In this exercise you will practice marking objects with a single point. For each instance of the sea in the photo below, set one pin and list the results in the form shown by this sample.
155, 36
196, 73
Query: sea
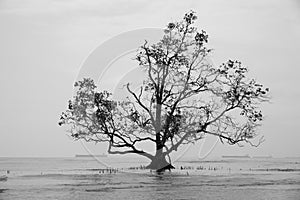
126, 178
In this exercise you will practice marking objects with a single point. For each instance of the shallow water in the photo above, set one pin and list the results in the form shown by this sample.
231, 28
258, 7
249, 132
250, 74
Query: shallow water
73, 178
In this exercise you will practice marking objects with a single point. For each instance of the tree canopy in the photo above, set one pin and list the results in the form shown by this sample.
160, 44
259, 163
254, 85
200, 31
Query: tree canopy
183, 98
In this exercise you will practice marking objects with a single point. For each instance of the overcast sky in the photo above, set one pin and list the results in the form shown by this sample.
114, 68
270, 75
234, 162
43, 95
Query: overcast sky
44, 43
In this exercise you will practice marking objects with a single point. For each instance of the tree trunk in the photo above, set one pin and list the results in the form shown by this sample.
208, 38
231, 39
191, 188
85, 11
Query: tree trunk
159, 162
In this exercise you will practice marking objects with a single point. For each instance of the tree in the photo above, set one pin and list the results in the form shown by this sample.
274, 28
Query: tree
183, 98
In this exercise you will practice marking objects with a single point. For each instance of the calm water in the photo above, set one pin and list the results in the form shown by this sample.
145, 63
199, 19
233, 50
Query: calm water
79, 178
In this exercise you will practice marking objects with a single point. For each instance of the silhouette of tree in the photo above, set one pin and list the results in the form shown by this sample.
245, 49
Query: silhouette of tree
183, 98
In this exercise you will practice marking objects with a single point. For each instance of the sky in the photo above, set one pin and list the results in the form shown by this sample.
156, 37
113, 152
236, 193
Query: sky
45, 42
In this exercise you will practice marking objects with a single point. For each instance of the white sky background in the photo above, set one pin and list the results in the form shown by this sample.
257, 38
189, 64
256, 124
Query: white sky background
43, 44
